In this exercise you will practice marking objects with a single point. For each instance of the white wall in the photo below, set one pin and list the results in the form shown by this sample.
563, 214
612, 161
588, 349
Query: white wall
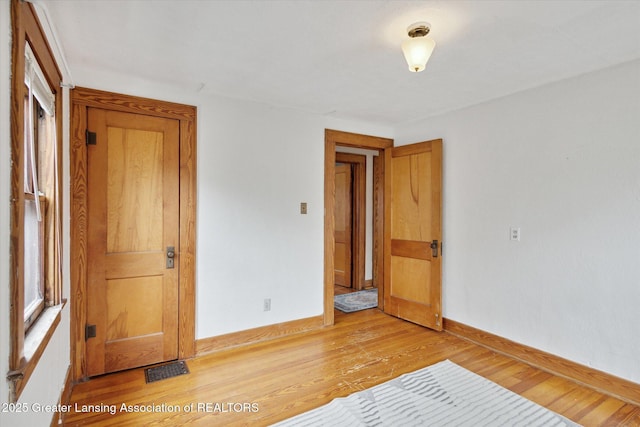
47, 380
256, 165
563, 163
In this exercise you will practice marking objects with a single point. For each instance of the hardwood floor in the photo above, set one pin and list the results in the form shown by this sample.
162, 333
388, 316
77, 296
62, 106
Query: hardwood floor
266, 382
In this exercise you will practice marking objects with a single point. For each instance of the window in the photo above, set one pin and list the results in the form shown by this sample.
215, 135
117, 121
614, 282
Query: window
40, 192
36, 252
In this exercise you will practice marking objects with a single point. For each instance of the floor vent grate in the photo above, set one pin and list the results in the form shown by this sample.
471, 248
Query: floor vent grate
163, 372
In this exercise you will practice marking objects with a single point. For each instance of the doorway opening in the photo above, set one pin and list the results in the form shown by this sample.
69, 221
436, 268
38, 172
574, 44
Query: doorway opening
407, 229
338, 147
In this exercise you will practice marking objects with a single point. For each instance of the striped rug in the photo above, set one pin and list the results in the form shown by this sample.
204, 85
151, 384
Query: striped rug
443, 394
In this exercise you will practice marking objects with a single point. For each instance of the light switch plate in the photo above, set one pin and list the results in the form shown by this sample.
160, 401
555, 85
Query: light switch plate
303, 208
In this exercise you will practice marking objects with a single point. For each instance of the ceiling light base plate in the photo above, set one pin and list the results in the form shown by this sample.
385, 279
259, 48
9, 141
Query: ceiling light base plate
419, 29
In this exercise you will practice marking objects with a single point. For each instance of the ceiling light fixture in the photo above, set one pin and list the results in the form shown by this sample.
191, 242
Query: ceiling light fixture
419, 47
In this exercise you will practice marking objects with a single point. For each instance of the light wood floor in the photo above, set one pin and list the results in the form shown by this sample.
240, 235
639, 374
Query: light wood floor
287, 376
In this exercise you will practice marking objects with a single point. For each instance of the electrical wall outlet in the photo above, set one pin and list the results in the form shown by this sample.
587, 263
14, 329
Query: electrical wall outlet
267, 304
514, 233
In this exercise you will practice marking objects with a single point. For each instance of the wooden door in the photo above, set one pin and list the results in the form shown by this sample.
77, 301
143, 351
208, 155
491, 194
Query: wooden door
133, 216
412, 266
343, 230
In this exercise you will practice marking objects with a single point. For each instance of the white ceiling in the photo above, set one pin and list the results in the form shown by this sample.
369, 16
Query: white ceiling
343, 58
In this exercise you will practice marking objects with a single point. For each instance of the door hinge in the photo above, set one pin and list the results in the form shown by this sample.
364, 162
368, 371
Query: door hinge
90, 138
89, 332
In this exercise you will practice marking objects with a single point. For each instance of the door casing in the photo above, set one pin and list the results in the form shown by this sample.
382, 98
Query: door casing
81, 100
335, 138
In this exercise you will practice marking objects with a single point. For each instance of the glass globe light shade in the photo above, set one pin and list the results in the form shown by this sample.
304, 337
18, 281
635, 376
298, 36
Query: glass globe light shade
417, 51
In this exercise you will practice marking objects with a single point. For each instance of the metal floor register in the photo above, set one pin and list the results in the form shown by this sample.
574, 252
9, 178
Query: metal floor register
163, 372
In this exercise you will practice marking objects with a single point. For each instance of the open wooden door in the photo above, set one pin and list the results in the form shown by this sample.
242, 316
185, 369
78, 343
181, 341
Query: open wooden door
133, 240
412, 236
343, 230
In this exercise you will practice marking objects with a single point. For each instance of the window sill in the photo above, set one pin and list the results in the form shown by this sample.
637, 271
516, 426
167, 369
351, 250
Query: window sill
35, 342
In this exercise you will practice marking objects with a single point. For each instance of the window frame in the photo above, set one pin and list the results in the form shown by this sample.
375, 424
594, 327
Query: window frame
28, 346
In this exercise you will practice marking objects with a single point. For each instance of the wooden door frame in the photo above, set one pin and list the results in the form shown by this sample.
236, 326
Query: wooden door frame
358, 211
81, 100
333, 138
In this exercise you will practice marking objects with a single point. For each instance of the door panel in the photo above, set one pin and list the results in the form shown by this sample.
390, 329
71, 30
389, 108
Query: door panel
134, 190
343, 230
411, 207
412, 285
133, 205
